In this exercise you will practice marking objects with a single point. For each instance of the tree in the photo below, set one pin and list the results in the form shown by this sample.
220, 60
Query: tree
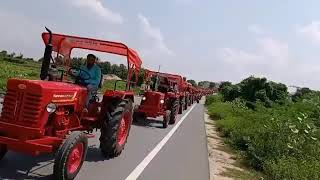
224, 84
192, 82
3, 53
204, 84
105, 67
212, 85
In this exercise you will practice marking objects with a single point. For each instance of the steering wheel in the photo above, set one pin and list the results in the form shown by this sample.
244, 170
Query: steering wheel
77, 73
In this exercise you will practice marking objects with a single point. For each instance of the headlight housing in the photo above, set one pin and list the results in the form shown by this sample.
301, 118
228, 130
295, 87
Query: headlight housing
51, 108
144, 98
161, 101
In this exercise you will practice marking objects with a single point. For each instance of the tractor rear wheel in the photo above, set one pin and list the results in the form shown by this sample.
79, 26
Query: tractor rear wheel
70, 156
116, 127
174, 111
3, 150
166, 119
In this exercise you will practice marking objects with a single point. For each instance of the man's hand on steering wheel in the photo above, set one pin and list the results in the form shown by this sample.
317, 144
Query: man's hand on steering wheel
80, 75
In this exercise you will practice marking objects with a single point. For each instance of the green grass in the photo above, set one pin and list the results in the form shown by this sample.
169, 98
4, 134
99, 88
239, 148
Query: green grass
282, 141
19, 69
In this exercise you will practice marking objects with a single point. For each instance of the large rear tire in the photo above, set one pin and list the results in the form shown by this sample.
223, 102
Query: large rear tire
3, 150
174, 111
116, 127
70, 156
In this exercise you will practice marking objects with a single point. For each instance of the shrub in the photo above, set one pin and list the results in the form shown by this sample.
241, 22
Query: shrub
282, 141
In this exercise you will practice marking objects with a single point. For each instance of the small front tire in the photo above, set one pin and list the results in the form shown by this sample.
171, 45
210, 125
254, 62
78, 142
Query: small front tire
70, 156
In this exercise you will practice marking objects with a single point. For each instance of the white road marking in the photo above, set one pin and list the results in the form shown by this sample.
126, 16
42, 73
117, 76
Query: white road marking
144, 163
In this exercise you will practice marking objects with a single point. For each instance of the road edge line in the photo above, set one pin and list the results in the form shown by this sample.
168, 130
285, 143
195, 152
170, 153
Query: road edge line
144, 163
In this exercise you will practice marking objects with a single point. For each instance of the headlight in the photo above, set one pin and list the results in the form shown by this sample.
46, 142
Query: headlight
51, 108
161, 101
144, 98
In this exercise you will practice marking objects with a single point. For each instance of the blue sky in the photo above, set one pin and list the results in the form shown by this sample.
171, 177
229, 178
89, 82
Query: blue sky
203, 39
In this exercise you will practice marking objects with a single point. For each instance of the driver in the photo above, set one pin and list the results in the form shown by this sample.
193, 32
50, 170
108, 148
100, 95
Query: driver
94, 71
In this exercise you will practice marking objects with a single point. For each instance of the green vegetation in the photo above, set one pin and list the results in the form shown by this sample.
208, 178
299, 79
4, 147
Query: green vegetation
276, 133
14, 67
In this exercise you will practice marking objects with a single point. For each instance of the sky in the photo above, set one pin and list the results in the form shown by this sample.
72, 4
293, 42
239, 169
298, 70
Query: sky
211, 40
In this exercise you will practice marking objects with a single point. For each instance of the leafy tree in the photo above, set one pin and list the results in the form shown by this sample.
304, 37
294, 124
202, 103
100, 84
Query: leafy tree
193, 82
212, 85
224, 84
3, 53
300, 93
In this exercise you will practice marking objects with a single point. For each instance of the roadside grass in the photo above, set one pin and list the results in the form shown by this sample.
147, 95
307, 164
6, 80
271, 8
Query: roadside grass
282, 142
17, 69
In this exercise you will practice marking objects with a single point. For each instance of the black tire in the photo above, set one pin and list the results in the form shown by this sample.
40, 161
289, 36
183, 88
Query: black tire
3, 150
109, 145
136, 115
173, 111
185, 107
166, 119
181, 105
60, 168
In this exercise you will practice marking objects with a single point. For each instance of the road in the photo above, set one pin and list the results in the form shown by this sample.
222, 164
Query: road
151, 153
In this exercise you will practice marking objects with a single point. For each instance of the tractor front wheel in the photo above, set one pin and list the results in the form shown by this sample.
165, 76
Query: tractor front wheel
166, 119
116, 127
174, 111
3, 150
70, 156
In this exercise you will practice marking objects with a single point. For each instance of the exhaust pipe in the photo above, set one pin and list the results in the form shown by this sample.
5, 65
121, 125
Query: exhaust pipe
46, 57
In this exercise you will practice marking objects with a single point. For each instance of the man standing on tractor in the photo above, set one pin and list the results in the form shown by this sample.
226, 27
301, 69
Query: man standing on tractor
92, 69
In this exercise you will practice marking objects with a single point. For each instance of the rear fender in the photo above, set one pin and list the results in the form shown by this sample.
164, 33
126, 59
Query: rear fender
113, 96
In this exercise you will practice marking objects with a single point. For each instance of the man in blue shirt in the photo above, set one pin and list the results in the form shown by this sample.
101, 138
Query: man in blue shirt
92, 69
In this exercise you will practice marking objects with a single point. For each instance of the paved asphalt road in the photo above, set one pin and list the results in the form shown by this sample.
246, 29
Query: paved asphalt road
152, 153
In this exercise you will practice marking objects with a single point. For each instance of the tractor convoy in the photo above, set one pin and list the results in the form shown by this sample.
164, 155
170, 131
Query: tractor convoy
50, 115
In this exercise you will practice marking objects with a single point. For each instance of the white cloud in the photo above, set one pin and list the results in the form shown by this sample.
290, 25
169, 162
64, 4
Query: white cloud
256, 29
270, 58
311, 31
269, 51
97, 7
154, 34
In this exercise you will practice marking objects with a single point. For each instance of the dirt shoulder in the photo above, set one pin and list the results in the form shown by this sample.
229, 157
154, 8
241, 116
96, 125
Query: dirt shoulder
223, 162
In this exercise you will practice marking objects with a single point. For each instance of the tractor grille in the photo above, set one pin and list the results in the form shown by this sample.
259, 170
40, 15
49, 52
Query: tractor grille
21, 107
152, 100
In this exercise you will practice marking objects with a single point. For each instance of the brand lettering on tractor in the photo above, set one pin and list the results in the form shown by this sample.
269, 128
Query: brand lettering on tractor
22, 86
63, 95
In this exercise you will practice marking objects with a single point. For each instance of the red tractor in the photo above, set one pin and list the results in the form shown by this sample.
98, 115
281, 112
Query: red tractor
46, 116
161, 97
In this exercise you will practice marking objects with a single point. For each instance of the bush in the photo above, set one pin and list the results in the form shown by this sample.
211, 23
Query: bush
282, 141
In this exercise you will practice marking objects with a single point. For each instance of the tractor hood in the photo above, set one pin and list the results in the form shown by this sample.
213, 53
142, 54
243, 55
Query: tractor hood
48, 90
26, 100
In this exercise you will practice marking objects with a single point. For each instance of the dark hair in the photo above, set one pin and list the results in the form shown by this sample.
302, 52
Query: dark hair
91, 55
